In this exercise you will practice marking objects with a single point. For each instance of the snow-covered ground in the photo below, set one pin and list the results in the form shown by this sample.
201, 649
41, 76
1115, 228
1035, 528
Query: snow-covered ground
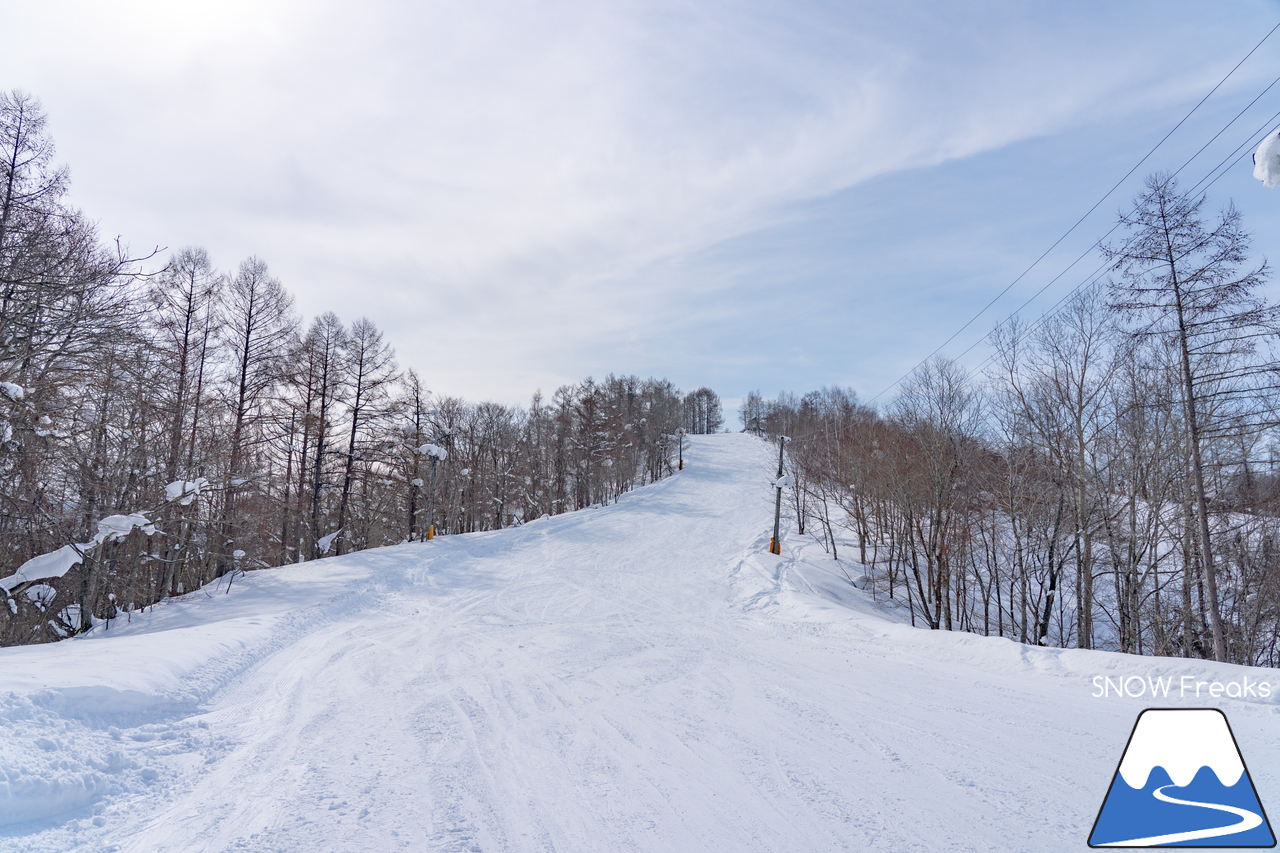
642, 676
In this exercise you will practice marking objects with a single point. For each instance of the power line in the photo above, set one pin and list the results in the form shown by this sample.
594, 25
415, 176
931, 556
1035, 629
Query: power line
1097, 204
1238, 154
1230, 160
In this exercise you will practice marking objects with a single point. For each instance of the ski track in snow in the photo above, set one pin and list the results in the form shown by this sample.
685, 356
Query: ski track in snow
639, 677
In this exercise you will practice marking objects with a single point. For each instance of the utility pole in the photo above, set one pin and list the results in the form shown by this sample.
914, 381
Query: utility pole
681, 433
431, 495
775, 546
437, 453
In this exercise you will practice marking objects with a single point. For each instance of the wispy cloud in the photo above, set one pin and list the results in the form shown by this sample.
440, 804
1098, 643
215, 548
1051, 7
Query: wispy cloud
486, 179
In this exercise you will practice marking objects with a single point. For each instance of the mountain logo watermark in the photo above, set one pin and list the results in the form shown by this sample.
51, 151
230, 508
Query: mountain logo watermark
1181, 782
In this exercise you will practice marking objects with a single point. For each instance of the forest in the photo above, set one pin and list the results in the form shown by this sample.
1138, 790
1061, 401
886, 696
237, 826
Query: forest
165, 423
1107, 479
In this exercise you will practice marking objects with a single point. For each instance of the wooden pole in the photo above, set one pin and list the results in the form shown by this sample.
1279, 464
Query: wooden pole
775, 546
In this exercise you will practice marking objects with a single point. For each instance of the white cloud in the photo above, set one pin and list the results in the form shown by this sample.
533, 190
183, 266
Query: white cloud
513, 164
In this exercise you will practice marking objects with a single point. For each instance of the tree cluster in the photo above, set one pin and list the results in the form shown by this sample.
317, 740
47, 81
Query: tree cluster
162, 430
1108, 481
702, 412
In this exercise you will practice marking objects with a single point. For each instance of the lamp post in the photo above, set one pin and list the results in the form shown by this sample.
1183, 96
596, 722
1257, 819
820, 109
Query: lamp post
431, 492
437, 453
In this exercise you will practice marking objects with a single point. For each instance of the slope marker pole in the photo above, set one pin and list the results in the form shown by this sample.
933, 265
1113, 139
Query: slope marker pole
775, 545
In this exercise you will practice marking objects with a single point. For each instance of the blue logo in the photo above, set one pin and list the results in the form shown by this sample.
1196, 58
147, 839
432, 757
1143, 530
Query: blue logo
1181, 783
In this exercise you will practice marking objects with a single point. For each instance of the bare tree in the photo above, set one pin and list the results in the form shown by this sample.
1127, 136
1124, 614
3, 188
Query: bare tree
372, 369
1182, 276
1054, 380
320, 377
259, 322
941, 410
703, 413
184, 299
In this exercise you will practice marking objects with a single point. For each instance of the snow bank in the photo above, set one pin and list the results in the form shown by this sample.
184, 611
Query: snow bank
55, 763
95, 726
42, 778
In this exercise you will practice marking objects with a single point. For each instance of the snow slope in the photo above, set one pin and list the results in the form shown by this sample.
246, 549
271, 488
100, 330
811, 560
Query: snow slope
636, 677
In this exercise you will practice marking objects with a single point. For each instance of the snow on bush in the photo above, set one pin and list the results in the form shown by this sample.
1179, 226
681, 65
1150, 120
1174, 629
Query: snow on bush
185, 491
57, 563
115, 527
326, 542
41, 595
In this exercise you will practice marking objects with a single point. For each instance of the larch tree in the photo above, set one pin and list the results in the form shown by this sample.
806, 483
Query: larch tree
259, 322
184, 300
1180, 275
183, 316
321, 374
372, 371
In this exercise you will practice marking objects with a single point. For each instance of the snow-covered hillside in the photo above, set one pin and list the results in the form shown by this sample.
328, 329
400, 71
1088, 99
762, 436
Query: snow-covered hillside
642, 676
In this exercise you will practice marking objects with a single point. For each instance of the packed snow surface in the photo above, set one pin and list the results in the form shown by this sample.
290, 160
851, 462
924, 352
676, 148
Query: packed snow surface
637, 677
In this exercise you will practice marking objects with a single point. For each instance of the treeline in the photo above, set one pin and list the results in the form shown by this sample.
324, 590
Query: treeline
1108, 480
160, 430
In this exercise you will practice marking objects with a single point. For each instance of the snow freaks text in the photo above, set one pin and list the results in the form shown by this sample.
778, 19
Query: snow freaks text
1184, 687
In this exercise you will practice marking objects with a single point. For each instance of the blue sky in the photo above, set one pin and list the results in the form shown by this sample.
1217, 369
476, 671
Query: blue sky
748, 195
